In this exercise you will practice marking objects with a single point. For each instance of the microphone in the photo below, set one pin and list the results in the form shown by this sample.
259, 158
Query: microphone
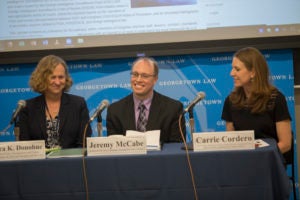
199, 97
104, 104
21, 104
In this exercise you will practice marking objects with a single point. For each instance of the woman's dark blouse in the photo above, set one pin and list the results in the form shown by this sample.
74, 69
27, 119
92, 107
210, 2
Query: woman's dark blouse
264, 125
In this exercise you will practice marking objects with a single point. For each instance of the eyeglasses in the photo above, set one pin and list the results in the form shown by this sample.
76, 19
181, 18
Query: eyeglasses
143, 76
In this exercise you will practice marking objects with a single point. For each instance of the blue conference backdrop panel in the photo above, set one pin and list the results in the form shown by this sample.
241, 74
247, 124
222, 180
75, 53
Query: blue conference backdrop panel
181, 77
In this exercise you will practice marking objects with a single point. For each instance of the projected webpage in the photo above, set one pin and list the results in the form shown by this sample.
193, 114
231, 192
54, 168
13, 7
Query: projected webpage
35, 24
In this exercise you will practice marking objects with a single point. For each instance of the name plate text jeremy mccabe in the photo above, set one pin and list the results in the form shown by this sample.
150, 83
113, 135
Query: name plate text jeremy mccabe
116, 145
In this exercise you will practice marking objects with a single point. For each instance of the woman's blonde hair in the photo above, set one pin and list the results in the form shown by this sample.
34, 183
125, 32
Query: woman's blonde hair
39, 77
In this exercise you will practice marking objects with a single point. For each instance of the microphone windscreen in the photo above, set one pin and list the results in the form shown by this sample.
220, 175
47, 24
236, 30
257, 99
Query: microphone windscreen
105, 102
22, 103
201, 95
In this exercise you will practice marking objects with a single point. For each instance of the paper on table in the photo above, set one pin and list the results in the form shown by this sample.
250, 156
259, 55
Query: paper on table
152, 138
63, 153
260, 143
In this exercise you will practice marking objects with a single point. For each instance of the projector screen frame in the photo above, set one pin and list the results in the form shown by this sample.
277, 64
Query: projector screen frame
162, 49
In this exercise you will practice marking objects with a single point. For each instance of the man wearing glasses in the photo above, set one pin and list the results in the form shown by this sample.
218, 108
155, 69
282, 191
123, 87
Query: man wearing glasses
145, 109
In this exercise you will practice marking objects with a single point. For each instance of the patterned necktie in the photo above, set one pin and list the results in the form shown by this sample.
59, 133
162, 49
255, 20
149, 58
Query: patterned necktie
142, 120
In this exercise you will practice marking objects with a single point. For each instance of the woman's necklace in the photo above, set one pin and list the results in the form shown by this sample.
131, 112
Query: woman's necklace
52, 128
53, 110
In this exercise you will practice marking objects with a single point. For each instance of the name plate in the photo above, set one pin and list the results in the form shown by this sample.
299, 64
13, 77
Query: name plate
220, 141
22, 150
116, 145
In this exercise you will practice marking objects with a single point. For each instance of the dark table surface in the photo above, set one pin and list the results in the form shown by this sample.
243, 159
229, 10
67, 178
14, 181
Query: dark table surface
240, 174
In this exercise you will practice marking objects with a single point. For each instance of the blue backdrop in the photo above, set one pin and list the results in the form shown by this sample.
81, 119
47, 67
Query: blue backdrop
180, 77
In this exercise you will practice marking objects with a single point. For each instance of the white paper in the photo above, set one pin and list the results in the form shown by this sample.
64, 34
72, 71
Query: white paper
260, 143
152, 138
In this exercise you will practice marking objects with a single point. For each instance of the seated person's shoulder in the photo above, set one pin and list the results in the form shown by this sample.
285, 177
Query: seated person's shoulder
73, 96
277, 95
74, 100
119, 103
34, 101
168, 100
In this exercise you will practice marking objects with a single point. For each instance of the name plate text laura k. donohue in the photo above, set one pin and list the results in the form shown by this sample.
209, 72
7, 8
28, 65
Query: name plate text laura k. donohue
116, 145
22, 150
220, 141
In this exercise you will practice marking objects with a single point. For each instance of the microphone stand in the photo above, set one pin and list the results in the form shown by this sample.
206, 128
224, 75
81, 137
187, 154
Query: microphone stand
2, 132
8, 126
192, 123
189, 146
16, 131
99, 125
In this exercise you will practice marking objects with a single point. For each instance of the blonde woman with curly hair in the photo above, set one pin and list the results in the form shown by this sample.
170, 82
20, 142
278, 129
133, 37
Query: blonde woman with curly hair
55, 116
